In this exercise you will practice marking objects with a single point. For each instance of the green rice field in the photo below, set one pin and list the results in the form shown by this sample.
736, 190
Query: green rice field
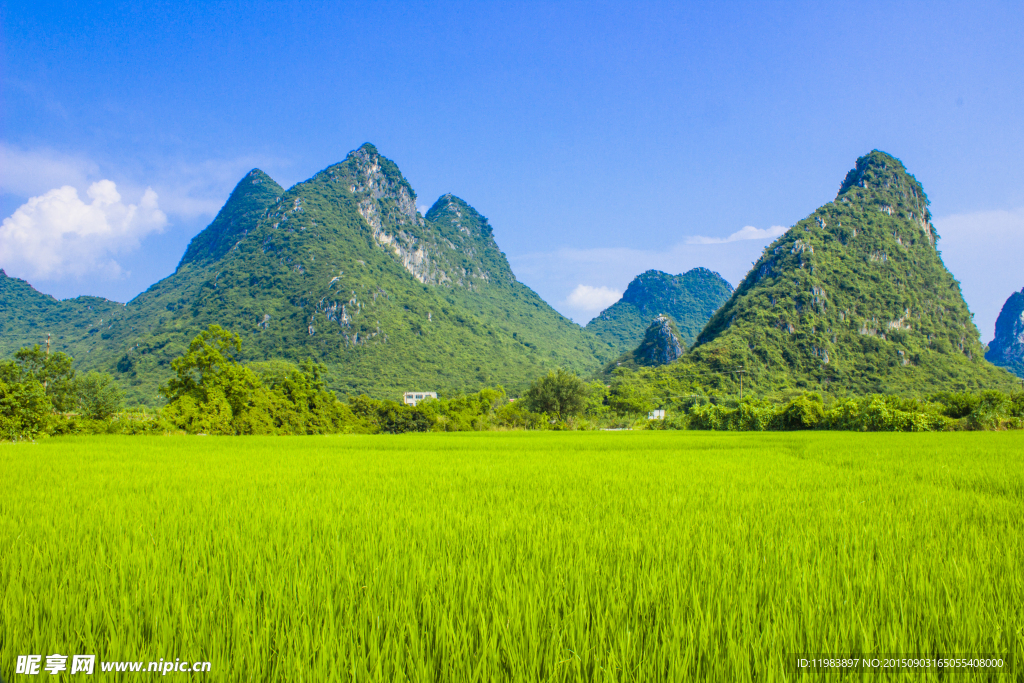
614, 556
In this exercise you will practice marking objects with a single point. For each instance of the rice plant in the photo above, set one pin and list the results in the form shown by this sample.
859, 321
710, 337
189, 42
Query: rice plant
629, 556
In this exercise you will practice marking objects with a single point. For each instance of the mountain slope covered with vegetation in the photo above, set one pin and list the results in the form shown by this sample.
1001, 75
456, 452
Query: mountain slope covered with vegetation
342, 269
854, 299
688, 299
27, 316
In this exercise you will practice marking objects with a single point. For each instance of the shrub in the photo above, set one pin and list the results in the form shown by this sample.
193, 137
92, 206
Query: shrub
803, 412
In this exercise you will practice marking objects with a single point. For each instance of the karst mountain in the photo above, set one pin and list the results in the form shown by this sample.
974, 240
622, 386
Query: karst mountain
852, 299
341, 269
688, 300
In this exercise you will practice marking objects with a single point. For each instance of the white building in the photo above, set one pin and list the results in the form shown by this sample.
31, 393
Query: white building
411, 398
656, 415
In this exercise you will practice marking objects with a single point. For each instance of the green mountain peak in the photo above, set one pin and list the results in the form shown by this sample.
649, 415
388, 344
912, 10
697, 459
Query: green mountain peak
367, 172
688, 299
252, 196
881, 180
852, 299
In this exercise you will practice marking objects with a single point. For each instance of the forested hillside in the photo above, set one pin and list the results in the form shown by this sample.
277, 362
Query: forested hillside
341, 269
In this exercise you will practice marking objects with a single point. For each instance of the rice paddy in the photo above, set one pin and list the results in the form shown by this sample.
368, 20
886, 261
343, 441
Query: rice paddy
628, 556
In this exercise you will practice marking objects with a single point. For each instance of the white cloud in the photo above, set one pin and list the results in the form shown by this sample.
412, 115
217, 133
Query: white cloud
592, 299
57, 234
423, 208
747, 232
187, 189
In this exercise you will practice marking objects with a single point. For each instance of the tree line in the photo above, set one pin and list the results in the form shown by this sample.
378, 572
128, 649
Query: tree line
213, 392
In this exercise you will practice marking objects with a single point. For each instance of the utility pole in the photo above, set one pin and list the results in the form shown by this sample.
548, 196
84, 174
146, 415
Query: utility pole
46, 382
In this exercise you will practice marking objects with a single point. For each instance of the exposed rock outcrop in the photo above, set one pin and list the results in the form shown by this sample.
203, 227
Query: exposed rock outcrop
661, 343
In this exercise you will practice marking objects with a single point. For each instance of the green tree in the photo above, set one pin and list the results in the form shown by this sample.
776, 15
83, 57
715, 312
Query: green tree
211, 392
803, 412
24, 407
630, 394
559, 393
54, 372
98, 396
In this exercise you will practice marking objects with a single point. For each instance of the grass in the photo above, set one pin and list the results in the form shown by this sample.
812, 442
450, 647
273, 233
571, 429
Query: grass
630, 556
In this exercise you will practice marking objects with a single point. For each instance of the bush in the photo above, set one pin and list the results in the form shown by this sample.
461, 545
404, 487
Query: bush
25, 410
98, 397
710, 416
803, 412
990, 411
560, 394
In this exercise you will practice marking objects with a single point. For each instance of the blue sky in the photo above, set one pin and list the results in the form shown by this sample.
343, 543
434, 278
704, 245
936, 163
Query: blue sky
600, 139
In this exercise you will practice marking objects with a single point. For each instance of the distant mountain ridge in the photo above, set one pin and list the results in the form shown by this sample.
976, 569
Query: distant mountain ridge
343, 269
689, 299
27, 316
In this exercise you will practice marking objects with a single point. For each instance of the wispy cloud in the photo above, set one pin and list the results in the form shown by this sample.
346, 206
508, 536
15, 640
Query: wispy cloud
57, 235
592, 299
199, 189
26, 173
983, 249
747, 232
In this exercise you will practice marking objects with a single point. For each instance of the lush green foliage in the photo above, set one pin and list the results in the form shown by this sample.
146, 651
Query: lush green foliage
990, 410
516, 557
78, 326
559, 393
24, 407
213, 393
99, 398
688, 299
40, 395
53, 371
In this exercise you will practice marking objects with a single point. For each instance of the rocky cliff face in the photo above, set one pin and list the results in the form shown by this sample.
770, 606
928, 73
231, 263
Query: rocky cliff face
1007, 349
661, 344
